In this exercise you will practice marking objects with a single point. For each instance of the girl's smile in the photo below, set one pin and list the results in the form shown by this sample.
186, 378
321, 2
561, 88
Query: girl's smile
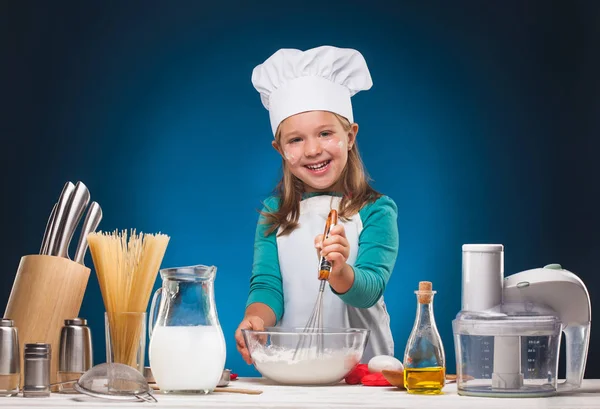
314, 146
319, 168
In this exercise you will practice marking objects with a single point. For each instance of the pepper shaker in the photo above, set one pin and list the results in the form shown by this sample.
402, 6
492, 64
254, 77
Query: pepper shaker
10, 362
75, 356
37, 370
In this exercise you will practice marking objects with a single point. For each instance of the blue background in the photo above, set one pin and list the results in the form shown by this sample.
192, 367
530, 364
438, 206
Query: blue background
482, 125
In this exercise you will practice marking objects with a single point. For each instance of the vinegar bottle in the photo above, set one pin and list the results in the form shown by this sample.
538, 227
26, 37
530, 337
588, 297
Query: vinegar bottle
424, 360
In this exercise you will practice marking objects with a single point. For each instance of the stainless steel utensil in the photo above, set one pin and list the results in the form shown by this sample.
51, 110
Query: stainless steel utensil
77, 204
37, 370
57, 226
10, 365
315, 322
90, 224
75, 346
116, 382
49, 225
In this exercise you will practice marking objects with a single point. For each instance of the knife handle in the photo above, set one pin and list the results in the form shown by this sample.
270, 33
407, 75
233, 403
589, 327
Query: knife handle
61, 209
49, 225
90, 224
77, 204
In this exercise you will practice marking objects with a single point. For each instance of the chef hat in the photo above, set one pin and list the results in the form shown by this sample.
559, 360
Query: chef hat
324, 78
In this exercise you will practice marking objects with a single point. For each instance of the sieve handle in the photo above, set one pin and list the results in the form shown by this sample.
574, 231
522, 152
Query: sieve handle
152, 318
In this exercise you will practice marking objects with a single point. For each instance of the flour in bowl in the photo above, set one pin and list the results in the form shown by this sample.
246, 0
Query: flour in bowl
330, 367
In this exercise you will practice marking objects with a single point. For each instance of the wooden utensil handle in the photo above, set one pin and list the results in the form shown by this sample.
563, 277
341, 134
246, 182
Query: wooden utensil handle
223, 389
238, 390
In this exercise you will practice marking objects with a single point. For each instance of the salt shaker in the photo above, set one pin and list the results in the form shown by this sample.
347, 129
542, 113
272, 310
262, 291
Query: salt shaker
10, 359
37, 370
75, 356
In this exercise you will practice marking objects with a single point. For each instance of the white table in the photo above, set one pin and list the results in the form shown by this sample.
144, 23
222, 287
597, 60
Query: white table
339, 396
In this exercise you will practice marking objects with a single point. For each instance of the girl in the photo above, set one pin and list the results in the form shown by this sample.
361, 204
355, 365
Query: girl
308, 96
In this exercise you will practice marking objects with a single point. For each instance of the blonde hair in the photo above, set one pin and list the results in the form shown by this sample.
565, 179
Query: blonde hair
356, 190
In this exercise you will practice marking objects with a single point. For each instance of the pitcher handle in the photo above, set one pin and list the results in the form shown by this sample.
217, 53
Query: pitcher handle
152, 317
577, 338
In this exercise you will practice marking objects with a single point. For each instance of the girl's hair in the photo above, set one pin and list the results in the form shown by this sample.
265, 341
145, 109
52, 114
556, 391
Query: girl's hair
289, 190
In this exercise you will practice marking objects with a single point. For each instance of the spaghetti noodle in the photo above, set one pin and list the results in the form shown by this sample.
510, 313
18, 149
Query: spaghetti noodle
126, 267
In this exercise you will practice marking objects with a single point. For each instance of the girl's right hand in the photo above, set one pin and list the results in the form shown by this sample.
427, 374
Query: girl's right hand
252, 322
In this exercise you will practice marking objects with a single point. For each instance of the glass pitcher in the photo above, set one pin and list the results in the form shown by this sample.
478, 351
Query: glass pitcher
187, 347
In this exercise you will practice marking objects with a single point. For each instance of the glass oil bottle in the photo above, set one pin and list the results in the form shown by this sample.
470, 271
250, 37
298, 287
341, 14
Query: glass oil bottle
424, 359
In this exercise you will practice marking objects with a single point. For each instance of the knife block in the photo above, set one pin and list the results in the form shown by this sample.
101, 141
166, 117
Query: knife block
47, 290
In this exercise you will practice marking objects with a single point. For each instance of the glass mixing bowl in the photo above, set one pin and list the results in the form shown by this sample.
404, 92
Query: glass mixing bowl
293, 356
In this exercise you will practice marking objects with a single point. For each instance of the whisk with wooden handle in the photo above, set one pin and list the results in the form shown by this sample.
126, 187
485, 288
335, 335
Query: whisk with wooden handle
312, 336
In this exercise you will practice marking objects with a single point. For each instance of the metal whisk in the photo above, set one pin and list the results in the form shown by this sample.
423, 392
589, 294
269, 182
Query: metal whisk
312, 335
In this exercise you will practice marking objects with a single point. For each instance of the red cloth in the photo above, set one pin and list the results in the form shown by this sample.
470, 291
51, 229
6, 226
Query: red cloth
375, 379
355, 376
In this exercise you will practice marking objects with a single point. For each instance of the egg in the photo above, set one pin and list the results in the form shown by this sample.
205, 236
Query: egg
380, 362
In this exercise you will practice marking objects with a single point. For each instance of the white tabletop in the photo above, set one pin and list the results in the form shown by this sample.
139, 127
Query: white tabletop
338, 396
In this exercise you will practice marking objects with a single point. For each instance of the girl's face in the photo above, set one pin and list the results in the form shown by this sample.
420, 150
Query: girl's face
315, 146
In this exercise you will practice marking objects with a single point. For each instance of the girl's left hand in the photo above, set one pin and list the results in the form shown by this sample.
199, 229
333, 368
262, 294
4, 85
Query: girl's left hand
335, 248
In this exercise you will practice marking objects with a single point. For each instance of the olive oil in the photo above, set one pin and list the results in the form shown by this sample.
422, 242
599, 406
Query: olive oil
425, 381
424, 358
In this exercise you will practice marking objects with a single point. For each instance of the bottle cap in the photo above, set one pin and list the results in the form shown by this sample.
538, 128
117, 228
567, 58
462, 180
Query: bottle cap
38, 350
425, 292
76, 321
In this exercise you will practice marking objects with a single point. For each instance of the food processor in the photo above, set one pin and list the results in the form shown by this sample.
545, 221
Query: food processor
507, 335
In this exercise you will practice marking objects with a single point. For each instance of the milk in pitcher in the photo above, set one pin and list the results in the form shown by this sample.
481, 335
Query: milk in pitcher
187, 359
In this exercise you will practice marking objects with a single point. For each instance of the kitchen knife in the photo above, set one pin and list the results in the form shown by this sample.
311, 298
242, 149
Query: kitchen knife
61, 209
90, 224
77, 204
49, 224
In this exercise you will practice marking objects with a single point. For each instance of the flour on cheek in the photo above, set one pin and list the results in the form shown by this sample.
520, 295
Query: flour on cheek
334, 145
290, 157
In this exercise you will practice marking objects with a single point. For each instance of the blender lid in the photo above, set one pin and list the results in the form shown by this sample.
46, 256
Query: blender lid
483, 248
512, 322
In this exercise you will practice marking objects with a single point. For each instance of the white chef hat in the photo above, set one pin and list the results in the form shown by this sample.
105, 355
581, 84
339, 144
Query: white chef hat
324, 78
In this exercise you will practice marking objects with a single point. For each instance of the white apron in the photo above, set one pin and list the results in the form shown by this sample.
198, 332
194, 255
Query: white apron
298, 262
